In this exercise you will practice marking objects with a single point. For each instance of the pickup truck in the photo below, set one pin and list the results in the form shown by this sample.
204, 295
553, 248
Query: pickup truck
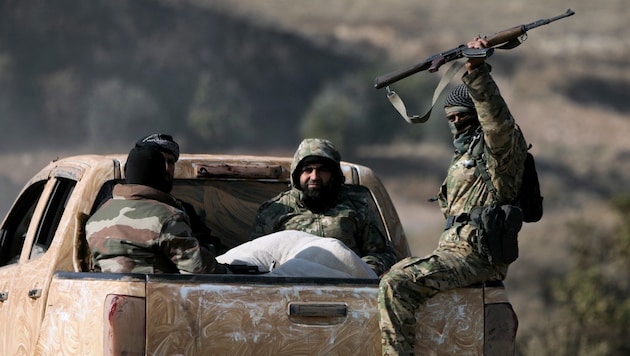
50, 302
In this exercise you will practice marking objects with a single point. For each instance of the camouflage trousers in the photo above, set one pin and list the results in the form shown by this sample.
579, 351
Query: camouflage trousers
414, 280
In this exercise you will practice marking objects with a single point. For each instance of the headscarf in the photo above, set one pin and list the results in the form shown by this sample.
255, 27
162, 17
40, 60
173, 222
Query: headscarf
164, 142
459, 100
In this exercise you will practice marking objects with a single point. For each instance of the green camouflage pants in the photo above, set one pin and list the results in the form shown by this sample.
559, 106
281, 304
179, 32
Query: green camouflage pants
414, 280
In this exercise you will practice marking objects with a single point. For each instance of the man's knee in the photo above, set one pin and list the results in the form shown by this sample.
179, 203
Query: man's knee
392, 282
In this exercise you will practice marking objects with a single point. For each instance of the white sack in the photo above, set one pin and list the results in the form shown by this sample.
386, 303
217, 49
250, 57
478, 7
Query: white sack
293, 253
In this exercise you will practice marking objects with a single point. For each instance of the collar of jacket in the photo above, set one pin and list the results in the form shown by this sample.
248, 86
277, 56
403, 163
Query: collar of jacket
139, 192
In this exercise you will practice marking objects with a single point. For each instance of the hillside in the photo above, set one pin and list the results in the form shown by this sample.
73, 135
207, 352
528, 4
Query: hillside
244, 76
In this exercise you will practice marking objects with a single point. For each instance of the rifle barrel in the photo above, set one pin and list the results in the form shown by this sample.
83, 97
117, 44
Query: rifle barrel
389, 78
513, 33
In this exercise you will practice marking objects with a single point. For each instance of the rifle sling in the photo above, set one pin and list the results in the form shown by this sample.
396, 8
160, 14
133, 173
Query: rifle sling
477, 150
399, 105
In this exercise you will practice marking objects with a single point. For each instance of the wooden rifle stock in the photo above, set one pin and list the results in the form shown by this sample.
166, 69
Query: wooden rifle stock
506, 39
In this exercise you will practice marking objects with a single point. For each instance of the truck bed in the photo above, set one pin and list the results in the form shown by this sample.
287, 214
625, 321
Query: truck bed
51, 303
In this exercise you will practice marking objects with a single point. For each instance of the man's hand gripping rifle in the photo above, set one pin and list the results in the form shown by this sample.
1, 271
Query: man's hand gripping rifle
506, 39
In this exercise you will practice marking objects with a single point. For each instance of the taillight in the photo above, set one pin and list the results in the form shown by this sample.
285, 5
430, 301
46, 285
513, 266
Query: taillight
125, 326
501, 324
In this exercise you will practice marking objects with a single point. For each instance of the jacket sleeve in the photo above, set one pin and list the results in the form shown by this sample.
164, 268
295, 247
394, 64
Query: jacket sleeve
506, 148
271, 213
178, 243
266, 219
377, 251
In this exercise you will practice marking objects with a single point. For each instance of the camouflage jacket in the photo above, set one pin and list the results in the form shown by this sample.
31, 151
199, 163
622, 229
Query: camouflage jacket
505, 150
143, 230
348, 220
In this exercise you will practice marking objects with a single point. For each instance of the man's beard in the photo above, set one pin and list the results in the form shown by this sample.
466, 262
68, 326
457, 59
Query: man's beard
318, 199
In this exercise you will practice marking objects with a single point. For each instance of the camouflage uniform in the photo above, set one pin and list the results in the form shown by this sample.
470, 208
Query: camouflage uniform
348, 219
143, 230
456, 262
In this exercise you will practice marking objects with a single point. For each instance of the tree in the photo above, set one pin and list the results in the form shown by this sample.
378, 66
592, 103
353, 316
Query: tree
592, 299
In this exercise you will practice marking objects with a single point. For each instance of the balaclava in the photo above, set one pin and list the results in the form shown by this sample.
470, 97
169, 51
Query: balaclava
145, 165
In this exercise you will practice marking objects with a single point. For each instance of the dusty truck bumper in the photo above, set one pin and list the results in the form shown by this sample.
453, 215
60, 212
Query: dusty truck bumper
106, 314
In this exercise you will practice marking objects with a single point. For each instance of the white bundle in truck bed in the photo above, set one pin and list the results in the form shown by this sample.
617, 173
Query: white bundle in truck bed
298, 254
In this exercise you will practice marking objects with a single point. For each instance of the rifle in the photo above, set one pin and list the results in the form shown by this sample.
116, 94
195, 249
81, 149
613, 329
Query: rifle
506, 39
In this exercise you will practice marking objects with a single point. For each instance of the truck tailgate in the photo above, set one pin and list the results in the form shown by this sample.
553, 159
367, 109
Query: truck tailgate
256, 315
